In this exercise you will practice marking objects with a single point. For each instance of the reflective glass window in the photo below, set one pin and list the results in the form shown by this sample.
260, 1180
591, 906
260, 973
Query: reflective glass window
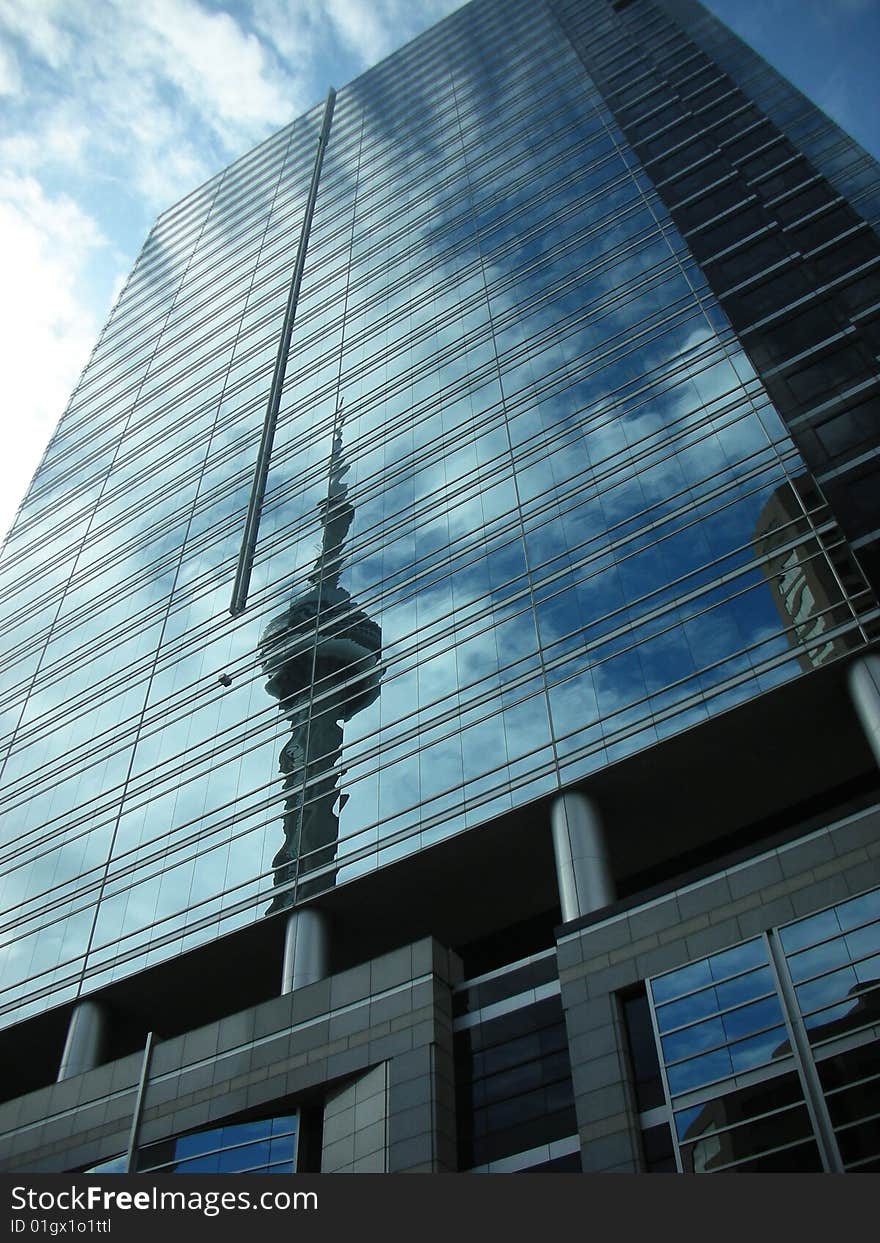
258, 1147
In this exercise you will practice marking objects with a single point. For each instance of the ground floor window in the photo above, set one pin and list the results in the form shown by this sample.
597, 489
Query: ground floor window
769, 1051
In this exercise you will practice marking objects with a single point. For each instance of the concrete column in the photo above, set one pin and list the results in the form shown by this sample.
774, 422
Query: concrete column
864, 688
583, 872
306, 948
85, 1039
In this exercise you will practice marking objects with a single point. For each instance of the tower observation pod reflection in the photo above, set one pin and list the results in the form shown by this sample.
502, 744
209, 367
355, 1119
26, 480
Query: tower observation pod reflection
322, 656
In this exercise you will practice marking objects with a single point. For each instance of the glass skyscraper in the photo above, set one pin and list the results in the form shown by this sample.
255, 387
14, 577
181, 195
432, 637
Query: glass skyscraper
440, 724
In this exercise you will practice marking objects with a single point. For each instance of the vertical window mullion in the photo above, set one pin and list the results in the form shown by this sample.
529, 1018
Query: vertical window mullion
806, 1065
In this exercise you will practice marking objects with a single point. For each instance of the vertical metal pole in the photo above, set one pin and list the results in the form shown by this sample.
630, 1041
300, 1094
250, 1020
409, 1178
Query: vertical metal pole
809, 1076
261, 470
139, 1105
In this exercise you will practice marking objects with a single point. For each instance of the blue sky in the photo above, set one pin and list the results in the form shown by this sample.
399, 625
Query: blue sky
111, 110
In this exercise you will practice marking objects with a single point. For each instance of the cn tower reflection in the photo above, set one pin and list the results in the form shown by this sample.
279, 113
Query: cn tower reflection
322, 657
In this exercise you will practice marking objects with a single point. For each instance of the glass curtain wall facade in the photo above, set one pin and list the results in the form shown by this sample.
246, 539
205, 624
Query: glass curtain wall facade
571, 447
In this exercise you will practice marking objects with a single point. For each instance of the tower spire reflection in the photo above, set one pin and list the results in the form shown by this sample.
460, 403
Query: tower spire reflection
322, 659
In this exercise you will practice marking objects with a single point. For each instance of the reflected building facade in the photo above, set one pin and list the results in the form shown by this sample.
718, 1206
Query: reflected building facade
440, 711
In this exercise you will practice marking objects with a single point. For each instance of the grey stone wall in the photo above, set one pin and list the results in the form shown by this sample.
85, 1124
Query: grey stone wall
356, 1126
392, 1014
598, 962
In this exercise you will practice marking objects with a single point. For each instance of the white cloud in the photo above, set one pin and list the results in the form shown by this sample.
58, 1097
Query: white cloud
294, 32
39, 26
224, 72
10, 76
361, 26
47, 333
60, 140
373, 28
157, 96
349, 35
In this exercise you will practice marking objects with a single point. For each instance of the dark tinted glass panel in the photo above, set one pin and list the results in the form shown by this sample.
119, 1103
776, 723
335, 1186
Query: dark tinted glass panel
864, 492
766, 160
732, 229
513, 1079
843, 433
638, 131
861, 1141
675, 161
791, 209
751, 260
700, 97
625, 92
741, 1106
722, 109
869, 334
685, 69
792, 335
703, 81
521, 1079
717, 1148
758, 1050
691, 215
845, 1068
518, 1022
799, 1159
208, 1164
643, 1052
846, 257
648, 105
726, 131
511, 1053
767, 296
755, 139
839, 369
707, 173
530, 976
658, 1151
865, 1167
788, 178
857, 495
818, 959
824, 228
509, 1113
856, 1103
530, 1134
856, 296
859, 1007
